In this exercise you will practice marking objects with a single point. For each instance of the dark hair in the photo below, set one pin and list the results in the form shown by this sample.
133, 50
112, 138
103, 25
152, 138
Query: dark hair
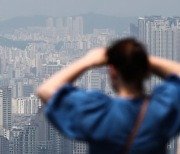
130, 59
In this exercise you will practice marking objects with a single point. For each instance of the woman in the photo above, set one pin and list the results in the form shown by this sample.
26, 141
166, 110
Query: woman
130, 123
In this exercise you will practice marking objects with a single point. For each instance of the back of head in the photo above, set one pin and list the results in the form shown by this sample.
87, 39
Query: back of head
130, 59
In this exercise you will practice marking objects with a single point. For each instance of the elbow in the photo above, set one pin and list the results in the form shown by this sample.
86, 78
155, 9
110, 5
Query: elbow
44, 94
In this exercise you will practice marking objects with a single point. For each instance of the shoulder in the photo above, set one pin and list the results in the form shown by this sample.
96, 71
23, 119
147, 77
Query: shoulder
170, 86
165, 105
166, 96
173, 79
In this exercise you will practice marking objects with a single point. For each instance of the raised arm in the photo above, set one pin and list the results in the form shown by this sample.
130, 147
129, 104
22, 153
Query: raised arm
95, 57
164, 67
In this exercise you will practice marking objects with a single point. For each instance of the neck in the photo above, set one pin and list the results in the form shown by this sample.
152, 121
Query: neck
130, 92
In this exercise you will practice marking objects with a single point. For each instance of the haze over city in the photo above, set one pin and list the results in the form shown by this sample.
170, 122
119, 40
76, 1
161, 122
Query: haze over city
14, 8
40, 37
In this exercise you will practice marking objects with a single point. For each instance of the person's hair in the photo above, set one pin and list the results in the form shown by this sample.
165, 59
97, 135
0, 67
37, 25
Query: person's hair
130, 59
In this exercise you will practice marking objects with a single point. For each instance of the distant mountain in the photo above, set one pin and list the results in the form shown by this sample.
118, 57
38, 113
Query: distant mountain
91, 21
21, 22
119, 24
10, 43
18, 44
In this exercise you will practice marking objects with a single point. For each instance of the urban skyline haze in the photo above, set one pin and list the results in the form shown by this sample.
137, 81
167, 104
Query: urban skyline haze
40, 37
10, 9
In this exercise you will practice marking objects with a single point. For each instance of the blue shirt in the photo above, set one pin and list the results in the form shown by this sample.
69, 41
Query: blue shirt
106, 122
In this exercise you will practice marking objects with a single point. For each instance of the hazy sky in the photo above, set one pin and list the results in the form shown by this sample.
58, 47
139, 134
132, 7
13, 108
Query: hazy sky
12, 8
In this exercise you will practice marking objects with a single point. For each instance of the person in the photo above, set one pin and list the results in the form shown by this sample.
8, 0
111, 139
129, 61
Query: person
106, 122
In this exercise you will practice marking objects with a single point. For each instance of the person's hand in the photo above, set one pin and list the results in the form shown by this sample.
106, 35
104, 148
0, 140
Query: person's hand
96, 57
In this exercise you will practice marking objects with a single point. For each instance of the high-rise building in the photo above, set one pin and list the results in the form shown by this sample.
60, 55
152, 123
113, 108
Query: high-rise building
30, 138
39, 137
94, 79
69, 24
60, 26
28, 90
5, 108
80, 148
172, 146
51, 68
17, 140
26, 105
78, 26
50, 23
4, 145
161, 36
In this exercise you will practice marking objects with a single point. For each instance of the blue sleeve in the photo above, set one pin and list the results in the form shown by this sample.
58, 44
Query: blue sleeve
78, 114
168, 97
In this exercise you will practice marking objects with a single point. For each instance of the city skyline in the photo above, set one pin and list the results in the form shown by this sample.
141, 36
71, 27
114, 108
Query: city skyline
49, 48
